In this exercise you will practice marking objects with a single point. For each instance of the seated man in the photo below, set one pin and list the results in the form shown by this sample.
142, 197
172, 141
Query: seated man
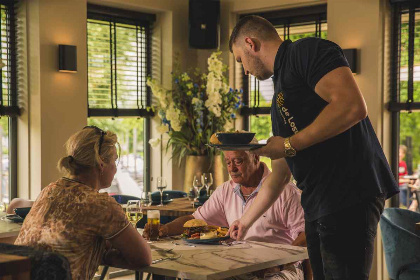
282, 223
17, 203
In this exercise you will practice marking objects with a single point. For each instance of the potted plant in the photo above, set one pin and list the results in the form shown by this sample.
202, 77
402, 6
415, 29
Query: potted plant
198, 105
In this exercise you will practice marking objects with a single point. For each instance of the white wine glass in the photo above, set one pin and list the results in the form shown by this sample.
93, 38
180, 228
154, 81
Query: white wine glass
161, 185
207, 180
197, 186
134, 211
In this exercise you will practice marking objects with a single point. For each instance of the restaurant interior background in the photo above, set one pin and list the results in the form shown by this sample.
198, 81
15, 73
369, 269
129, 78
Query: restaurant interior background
41, 107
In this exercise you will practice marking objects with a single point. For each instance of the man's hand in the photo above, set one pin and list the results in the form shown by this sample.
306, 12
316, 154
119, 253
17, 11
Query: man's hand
163, 231
274, 148
237, 230
300, 240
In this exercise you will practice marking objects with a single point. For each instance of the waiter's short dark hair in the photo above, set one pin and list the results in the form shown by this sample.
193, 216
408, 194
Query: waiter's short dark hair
255, 26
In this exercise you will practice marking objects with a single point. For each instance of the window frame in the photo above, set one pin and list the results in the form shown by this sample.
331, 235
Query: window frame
286, 17
129, 17
12, 111
146, 20
395, 106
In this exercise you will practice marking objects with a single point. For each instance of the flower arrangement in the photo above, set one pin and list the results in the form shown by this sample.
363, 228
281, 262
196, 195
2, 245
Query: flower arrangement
198, 105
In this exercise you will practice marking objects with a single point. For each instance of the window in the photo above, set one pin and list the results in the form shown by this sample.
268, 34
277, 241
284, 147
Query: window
118, 99
8, 103
405, 100
291, 24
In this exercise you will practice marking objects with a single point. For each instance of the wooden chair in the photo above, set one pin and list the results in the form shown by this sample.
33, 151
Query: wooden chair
44, 265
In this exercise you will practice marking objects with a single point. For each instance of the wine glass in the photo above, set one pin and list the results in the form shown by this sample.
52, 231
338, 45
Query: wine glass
161, 185
207, 180
197, 186
134, 211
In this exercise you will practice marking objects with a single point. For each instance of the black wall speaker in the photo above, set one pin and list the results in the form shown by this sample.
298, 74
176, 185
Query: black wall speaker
351, 56
204, 16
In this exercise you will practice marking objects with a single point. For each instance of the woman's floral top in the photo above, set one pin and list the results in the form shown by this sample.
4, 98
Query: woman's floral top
74, 220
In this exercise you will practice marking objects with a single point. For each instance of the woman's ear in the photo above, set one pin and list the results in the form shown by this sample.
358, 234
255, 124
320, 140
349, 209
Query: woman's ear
256, 158
101, 167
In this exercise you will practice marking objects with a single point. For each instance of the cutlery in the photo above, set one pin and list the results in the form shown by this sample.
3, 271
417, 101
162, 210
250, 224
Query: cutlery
175, 243
166, 258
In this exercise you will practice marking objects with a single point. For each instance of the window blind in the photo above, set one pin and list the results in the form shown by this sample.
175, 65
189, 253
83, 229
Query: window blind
8, 96
405, 56
290, 24
118, 62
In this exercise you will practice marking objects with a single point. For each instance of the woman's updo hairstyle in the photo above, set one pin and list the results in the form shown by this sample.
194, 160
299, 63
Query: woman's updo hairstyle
83, 150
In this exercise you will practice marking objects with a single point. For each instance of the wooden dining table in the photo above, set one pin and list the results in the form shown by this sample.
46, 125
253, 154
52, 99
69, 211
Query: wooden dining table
8, 230
177, 208
204, 262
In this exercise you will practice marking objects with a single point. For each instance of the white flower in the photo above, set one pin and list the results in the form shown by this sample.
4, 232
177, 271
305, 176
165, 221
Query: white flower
196, 101
154, 142
174, 116
159, 92
162, 129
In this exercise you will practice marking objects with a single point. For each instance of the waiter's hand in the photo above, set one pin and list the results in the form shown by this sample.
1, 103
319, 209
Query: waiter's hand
237, 230
274, 148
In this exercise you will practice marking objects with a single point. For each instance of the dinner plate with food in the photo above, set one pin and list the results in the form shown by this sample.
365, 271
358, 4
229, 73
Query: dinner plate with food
234, 141
197, 231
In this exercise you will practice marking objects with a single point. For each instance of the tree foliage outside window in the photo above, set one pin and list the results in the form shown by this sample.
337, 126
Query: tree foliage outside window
4, 159
410, 122
130, 132
8, 96
118, 60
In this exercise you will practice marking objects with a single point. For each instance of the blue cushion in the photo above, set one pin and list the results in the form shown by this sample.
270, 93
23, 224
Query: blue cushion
401, 243
412, 272
123, 199
169, 194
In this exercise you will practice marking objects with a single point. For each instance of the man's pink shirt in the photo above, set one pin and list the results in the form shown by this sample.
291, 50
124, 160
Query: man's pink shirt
282, 222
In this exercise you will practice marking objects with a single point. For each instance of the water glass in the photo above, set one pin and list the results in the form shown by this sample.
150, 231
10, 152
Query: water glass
134, 211
161, 185
3, 206
197, 186
207, 180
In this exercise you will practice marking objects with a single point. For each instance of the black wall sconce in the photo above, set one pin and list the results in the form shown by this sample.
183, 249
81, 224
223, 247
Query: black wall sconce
351, 56
67, 58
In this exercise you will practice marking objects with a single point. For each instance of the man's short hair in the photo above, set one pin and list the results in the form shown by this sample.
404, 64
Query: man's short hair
254, 26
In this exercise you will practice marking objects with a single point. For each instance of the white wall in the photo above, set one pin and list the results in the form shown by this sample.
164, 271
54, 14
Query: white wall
57, 104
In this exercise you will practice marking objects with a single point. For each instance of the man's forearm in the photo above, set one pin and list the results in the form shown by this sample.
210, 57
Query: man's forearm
269, 192
176, 227
300, 240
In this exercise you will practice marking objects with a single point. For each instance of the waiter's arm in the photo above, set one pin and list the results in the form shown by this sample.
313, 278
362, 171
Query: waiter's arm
346, 107
269, 193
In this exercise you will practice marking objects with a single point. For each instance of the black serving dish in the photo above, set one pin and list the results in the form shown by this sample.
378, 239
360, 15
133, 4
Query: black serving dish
228, 138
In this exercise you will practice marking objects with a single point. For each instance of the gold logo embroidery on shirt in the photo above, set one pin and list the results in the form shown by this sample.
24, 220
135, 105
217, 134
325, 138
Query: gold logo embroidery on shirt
284, 112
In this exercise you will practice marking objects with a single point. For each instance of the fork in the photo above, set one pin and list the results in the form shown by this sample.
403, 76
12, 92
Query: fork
166, 258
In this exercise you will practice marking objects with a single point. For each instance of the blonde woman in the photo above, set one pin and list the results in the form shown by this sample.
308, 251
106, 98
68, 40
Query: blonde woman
71, 217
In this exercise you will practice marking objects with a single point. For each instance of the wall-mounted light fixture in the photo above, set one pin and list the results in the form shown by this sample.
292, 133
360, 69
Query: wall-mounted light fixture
67, 58
351, 55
